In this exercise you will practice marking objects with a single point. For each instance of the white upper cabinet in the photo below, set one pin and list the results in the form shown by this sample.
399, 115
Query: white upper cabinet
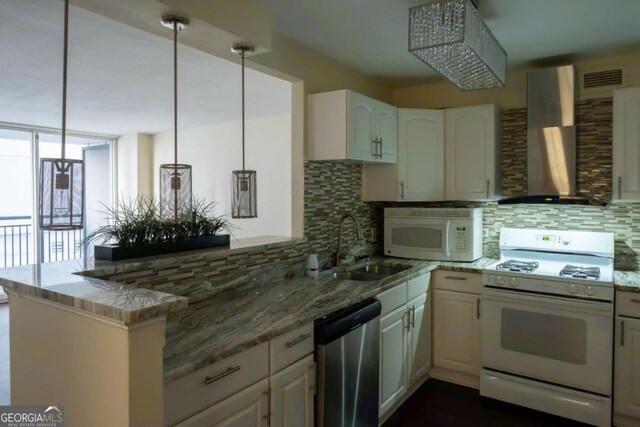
419, 173
346, 125
472, 153
626, 144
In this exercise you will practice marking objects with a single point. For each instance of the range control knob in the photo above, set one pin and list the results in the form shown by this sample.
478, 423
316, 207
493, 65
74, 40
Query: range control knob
513, 282
591, 291
498, 280
572, 289
565, 240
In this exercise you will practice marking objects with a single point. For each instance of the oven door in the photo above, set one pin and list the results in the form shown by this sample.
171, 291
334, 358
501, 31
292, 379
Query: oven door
417, 238
559, 340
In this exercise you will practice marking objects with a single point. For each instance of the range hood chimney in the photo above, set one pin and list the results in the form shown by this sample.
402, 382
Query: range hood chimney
551, 138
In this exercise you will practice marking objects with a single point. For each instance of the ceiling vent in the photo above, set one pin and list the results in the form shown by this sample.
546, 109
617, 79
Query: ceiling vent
600, 83
602, 78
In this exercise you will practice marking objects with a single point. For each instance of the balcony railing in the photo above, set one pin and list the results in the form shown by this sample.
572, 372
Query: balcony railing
16, 243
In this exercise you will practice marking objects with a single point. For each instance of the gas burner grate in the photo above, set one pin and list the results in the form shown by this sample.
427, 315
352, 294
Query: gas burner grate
518, 266
579, 272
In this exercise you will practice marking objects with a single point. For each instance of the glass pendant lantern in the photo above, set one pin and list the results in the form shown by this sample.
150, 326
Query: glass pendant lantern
61, 190
243, 182
175, 179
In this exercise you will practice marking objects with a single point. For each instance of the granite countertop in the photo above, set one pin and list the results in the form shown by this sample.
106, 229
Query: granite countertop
59, 282
221, 322
628, 281
74, 283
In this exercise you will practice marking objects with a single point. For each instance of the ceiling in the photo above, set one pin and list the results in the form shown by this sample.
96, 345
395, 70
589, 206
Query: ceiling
120, 78
372, 35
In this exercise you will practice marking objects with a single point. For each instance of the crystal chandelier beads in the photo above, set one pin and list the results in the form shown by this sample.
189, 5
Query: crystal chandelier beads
451, 37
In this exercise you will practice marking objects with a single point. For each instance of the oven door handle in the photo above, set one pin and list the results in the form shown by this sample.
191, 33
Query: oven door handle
547, 301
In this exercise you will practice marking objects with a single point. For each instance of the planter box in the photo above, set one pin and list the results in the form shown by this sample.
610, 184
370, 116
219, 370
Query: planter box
117, 253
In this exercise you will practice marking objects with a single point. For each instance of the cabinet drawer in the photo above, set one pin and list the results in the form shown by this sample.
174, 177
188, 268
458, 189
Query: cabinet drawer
393, 298
418, 286
628, 304
204, 387
457, 281
290, 347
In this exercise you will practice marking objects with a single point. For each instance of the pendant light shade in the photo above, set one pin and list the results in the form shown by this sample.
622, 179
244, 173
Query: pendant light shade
175, 179
244, 198
61, 190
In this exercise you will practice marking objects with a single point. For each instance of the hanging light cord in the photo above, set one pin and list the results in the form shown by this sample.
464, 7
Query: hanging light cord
64, 78
242, 56
175, 118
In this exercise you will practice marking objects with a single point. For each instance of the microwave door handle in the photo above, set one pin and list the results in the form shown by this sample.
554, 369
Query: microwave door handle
447, 250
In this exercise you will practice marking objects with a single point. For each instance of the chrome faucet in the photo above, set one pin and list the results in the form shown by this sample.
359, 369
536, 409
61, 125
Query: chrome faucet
358, 233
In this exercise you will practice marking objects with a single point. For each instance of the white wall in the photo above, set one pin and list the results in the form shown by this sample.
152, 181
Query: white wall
214, 151
135, 162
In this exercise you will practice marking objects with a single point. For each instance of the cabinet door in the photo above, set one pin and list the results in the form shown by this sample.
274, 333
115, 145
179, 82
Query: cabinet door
470, 153
456, 331
627, 368
393, 356
420, 155
361, 118
292, 394
247, 408
626, 144
387, 132
419, 337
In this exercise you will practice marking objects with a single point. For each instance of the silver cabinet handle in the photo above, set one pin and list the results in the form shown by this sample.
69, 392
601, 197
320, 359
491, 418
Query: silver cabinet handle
230, 370
455, 278
408, 326
622, 333
374, 148
488, 183
380, 142
478, 308
412, 316
635, 300
298, 340
402, 190
619, 187
267, 416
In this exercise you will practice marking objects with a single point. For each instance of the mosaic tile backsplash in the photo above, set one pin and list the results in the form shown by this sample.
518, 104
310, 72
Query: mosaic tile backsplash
334, 188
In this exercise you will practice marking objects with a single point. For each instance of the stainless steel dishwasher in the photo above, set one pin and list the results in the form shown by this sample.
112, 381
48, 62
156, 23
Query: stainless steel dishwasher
347, 352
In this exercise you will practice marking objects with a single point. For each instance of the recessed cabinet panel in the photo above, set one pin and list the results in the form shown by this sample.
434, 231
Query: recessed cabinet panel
456, 328
421, 155
393, 350
420, 349
344, 125
361, 127
626, 144
472, 153
292, 395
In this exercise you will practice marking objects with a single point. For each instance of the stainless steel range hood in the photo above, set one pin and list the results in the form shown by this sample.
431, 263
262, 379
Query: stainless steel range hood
551, 138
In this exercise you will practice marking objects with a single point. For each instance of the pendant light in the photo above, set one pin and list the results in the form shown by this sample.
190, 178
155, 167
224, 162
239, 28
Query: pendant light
61, 204
243, 182
175, 178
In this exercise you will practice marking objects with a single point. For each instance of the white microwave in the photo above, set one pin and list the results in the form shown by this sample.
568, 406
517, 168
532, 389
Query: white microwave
438, 234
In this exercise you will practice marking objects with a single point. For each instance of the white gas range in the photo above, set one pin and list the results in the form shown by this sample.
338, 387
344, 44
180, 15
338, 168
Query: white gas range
547, 323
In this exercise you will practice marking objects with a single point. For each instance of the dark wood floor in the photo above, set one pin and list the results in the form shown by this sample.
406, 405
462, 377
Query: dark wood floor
438, 403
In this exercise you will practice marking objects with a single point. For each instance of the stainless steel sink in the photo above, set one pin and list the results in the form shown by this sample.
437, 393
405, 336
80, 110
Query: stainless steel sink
371, 272
357, 275
381, 269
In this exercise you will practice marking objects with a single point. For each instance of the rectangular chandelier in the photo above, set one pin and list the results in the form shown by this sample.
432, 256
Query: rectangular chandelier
451, 37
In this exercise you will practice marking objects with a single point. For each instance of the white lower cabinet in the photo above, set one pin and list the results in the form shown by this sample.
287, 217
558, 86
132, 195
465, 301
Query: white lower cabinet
247, 408
292, 395
393, 349
626, 400
456, 327
405, 340
271, 384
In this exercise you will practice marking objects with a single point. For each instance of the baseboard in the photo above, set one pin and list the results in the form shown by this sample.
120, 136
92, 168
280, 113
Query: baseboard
460, 378
620, 420
404, 398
